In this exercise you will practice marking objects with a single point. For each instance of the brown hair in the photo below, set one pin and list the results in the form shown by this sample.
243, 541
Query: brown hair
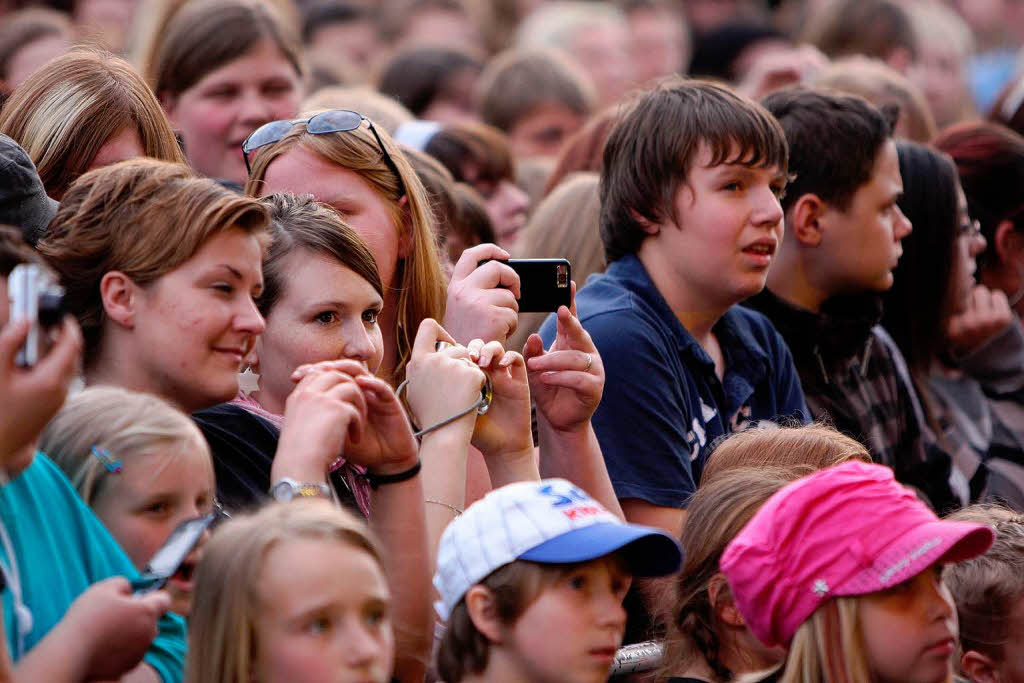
516, 82
419, 279
716, 514
815, 446
652, 148
464, 650
566, 224
986, 589
221, 629
883, 86
485, 149
868, 27
14, 250
64, 113
142, 217
301, 222
206, 34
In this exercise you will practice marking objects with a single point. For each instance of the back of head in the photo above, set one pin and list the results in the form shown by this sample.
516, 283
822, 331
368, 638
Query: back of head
517, 82
989, 589
919, 304
472, 152
805, 449
207, 34
222, 633
419, 76
653, 146
302, 223
833, 139
120, 423
63, 114
990, 160
716, 513
142, 217
875, 28
883, 86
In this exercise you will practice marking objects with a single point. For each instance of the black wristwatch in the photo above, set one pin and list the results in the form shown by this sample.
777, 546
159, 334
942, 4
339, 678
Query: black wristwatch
289, 489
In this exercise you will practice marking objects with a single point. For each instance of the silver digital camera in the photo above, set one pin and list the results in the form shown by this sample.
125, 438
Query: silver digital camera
36, 296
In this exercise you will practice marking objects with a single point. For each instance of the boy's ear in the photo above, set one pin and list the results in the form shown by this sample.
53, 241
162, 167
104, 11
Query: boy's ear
483, 612
804, 219
722, 604
120, 297
979, 668
648, 227
1008, 243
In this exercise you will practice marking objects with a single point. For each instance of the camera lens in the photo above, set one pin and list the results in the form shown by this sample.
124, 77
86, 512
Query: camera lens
51, 309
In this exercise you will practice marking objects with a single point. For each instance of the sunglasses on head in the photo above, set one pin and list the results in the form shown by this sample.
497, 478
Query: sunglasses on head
333, 121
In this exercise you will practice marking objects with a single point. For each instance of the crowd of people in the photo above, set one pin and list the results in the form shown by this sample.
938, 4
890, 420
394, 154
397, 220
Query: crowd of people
255, 293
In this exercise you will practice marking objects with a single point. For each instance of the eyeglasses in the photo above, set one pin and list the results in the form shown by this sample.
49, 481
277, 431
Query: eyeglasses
333, 121
970, 228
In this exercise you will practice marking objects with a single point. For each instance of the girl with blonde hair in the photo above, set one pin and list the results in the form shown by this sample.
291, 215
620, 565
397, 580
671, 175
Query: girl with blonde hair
83, 110
295, 592
844, 569
343, 160
141, 465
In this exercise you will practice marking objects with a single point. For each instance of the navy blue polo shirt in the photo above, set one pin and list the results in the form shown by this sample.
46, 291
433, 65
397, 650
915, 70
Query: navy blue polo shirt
663, 404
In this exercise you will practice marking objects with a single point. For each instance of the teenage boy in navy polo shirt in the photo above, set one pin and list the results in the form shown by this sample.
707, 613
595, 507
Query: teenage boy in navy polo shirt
690, 220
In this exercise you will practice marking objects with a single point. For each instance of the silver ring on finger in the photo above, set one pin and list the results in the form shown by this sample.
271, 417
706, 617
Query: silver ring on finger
590, 361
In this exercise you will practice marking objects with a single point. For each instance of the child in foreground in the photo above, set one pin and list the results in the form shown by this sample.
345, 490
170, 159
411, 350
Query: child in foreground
531, 580
844, 569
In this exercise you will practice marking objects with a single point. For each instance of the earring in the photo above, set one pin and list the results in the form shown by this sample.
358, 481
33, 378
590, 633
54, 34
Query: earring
248, 381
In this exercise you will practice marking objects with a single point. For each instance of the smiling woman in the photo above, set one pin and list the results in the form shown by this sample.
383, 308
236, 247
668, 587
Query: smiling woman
161, 269
222, 69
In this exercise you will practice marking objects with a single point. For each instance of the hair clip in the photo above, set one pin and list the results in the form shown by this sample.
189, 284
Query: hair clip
103, 455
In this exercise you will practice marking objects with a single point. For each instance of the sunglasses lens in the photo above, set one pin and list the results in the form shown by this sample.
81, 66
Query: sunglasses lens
266, 134
334, 121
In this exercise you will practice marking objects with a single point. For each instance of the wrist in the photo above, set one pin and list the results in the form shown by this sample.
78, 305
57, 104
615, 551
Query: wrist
386, 469
577, 431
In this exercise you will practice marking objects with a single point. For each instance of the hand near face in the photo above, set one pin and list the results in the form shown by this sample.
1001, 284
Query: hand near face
32, 396
988, 313
441, 383
386, 444
567, 380
324, 411
505, 428
110, 629
482, 299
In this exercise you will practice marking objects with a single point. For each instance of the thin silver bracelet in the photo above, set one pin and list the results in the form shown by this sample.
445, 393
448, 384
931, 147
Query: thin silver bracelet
454, 509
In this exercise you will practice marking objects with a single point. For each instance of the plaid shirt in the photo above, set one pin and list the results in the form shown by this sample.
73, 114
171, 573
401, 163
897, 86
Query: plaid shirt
855, 378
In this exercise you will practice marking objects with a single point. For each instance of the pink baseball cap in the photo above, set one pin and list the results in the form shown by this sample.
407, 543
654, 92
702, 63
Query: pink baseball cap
846, 530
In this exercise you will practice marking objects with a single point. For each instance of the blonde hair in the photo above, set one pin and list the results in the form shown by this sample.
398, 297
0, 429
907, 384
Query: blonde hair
419, 278
142, 217
566, 224
716, 514
813, 447
222, 635
123, 423
828, 647
882, 85
66, 111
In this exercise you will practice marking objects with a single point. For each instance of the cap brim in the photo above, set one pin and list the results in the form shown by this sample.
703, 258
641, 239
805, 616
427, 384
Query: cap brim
648, 551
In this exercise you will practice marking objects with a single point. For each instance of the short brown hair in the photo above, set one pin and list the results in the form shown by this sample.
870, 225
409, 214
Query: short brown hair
464, 650
814, 446
206, 34
868, 27
14, 250
142, 217
64, 113
485, 148
301, 222
516, 82
987, 588
652, 148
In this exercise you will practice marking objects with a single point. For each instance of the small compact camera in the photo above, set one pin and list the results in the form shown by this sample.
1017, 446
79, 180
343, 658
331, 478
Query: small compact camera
36, 296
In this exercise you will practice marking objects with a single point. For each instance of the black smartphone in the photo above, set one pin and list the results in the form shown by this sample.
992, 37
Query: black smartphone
544, 283
166, 561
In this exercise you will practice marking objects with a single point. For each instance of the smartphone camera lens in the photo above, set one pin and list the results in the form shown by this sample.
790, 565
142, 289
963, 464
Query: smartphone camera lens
562, 276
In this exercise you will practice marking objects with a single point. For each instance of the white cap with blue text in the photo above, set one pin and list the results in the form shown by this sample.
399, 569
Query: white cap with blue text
550, 522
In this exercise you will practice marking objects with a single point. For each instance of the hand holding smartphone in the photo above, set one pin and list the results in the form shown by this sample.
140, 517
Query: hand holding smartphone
166, 561
545, 283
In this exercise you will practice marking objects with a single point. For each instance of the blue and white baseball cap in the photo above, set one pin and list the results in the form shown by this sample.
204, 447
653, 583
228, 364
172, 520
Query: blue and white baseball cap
551, 522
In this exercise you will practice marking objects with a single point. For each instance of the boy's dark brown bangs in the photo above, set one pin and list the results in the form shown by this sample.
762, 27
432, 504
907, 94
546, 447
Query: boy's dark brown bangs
748, 138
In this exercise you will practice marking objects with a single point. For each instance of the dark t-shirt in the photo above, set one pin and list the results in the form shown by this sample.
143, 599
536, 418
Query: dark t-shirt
243, 446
